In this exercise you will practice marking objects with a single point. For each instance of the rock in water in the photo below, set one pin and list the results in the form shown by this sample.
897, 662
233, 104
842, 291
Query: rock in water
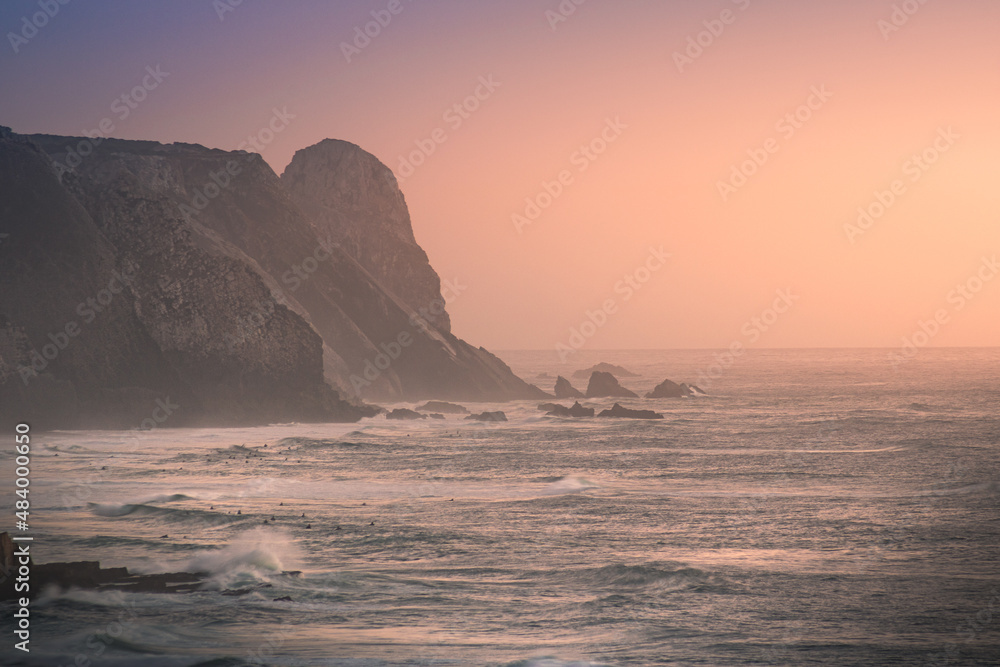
618, 411
605, 367
442, 406
576, 411
565, 390
605, 384
668, 389
405, 413
549, 407
489, 417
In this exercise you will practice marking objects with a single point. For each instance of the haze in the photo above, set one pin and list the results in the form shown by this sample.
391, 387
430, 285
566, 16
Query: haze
627, 149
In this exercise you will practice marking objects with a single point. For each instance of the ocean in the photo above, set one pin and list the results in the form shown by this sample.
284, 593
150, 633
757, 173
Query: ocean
817, 507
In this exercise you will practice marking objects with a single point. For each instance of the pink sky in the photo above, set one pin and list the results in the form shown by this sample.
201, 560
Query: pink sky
670, 137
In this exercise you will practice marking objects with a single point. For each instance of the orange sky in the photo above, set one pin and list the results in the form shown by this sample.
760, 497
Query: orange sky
656, 183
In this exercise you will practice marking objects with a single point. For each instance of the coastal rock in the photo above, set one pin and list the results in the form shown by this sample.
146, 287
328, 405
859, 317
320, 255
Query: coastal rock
405, 413
442, 406
356, 203
90, 574
669, 389
605, 367
564, 389
489, 417
549, 407
576, 411
618, 411
604, 385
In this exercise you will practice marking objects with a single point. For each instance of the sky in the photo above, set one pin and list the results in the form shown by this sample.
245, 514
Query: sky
601, 175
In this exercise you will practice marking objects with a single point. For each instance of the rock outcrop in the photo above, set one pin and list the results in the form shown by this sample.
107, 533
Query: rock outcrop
404, 413
89, 574
489, 417
576, 411
564, 389
443, 406
618, 411
669, 389
356, 203
605, 367
190, 274
602, 385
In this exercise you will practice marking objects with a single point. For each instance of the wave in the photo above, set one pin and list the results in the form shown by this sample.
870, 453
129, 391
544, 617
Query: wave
570, 484
988, 488
299, 444
650, 578
255, 551
553, 662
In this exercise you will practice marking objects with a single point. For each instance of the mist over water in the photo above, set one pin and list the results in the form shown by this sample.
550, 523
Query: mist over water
817, 507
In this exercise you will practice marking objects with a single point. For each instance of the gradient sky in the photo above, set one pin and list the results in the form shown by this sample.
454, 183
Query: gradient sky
893, 95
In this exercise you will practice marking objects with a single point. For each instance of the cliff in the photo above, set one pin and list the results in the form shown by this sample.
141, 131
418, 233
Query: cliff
114, 311
354, 201
227, 297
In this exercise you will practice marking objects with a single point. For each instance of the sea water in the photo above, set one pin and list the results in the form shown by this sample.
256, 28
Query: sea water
820, 507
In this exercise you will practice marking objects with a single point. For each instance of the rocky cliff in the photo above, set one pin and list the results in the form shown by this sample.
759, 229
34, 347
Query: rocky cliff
201, 279
114, 310
354, 201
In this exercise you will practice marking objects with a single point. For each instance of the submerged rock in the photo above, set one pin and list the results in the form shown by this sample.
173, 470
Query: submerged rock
497, 416
565, 390
605, 384
618, 411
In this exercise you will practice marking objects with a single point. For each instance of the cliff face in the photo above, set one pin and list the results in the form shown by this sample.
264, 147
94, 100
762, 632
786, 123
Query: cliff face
354, 201
232, 301
114, 310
